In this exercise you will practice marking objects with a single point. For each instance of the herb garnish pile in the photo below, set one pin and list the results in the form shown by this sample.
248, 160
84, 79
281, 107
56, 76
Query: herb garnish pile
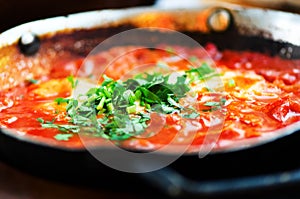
119, 110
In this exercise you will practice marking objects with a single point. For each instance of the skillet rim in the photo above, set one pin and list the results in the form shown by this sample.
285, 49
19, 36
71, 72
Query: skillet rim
117, 17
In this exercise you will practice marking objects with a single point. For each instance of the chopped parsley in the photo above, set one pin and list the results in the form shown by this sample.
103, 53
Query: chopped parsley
192, 115
33, 81
212, 104
61, 127
40, 120
125, 107
215, 105
231, 83
72, 81
61, 100
201, 73
119, 110
63, 137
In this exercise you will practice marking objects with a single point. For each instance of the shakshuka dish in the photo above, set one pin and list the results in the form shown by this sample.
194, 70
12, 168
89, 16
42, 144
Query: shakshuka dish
149, 98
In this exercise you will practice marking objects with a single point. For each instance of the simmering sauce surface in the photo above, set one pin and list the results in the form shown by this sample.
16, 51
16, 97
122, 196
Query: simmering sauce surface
260, 94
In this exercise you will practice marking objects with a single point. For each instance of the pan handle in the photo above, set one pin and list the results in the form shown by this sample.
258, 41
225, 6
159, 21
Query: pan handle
174, 184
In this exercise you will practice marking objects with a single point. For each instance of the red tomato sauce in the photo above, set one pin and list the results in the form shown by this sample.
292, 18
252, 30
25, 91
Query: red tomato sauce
272, 103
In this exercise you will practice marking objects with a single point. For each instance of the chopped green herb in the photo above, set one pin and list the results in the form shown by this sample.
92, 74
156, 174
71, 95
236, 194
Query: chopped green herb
223, 101
71, 80
63, 137
131, 109
203, 72
209, 89
50, 122
173, 102
33, 81
212, 104
40, 120
114, 99
110, 110
215, 105
231, 83
192, 115
63, 128
61, 100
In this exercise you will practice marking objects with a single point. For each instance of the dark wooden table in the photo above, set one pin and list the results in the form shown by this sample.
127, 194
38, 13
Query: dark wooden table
16, 184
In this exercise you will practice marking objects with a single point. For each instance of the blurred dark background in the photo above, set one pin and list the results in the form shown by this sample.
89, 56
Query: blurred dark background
16, 12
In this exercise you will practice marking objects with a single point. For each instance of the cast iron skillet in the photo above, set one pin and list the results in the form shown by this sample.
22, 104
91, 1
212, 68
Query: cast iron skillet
245, 169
